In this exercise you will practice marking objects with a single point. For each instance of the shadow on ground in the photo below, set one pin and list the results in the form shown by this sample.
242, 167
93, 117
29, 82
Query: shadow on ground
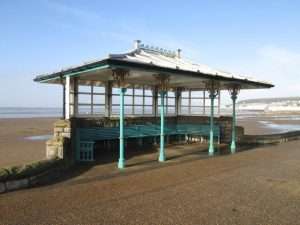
139, 161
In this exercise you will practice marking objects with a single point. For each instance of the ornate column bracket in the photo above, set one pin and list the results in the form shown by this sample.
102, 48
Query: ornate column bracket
163, 81
233, 91
213, 88
119, 75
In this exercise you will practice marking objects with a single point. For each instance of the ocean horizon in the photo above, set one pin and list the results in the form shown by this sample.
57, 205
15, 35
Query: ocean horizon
56, 112
29, 112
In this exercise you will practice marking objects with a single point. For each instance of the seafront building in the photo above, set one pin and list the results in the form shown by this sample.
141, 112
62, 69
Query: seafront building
148, 96
284, 105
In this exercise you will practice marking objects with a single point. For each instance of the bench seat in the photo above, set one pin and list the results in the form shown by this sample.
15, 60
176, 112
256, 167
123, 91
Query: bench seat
86, 137
138, 131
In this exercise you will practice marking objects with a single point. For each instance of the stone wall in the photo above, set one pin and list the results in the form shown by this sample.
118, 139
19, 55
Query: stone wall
271, 138
223, 121
30, 175
59, 144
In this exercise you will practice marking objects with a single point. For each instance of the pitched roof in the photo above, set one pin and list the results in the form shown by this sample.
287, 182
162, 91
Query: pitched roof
155, 58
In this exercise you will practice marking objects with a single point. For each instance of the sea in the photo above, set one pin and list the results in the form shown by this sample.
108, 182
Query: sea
39, 112
26, 112
36, 112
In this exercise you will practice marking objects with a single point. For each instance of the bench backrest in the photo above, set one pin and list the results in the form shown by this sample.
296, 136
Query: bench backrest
147, 130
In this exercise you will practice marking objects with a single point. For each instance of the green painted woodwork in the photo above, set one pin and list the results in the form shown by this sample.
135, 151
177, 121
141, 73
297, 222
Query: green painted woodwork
161, 157
211, 132
91, 135
149, 130
78, 141
86, 151
47, 78
233, 135
121, 163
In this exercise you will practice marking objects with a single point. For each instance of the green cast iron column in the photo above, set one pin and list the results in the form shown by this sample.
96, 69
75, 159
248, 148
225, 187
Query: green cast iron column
211, 132
161, 157
233, 135
121, 163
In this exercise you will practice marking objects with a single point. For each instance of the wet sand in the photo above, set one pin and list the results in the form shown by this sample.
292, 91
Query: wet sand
14, 149
266, 124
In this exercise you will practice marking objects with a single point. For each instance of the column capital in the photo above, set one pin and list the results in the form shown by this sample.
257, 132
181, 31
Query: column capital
123, 90
179, 91
162, 92
119, 76
234, 91
163, 81
213, 88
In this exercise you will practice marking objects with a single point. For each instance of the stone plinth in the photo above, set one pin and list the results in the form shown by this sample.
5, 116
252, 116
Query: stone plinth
58, 146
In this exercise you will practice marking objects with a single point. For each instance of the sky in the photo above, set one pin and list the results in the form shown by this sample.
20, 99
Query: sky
259, 39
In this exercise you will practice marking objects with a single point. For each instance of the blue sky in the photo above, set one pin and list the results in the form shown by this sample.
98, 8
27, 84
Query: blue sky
260, 39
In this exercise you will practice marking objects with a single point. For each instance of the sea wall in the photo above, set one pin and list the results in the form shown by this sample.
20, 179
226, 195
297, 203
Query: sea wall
271, 138
30, 175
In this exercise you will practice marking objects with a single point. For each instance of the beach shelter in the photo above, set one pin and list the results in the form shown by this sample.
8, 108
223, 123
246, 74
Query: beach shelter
152, 83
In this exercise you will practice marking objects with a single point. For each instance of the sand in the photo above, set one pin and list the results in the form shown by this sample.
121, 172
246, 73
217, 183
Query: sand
269, 123
14, 149
259, 186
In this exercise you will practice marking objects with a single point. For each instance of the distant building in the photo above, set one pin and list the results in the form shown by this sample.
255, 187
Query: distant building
286, 104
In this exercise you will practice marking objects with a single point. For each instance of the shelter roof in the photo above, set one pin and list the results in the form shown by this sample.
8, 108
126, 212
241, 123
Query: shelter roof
144, 61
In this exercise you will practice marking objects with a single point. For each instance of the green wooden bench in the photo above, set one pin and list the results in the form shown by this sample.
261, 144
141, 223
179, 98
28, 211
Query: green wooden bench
86, 137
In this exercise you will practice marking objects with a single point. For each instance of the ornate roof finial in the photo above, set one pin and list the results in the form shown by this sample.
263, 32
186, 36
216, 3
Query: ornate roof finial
155, 49
137, 44
178, 53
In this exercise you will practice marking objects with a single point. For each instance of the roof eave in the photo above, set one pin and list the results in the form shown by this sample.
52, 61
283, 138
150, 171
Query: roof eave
159, 69
72, 72
119, 63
